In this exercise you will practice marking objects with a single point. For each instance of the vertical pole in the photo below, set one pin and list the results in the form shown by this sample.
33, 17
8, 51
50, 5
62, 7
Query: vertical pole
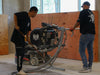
1, 7
41, 6
57, 5
79, 5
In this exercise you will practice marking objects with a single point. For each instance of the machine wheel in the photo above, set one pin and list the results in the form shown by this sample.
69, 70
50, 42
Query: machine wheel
47, 58
34, 61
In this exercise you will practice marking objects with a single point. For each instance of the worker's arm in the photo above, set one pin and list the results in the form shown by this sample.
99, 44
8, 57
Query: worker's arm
28, 33
76, 25
16, 25
15, 21
27, 37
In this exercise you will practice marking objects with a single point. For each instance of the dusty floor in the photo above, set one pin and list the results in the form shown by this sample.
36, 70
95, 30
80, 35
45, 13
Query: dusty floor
71, 67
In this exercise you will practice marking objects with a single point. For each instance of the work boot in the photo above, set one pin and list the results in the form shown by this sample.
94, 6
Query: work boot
84, 70
90, 69
21, 72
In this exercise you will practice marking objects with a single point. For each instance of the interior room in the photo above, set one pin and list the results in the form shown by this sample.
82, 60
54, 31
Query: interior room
54, 19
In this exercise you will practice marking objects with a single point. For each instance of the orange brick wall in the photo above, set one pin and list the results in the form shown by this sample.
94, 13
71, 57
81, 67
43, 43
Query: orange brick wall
67, 20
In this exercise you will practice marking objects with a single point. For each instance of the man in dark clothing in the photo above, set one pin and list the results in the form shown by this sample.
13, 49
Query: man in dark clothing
87, 30
22, 28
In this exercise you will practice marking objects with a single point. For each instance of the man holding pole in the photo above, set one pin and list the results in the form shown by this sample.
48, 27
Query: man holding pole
87, 30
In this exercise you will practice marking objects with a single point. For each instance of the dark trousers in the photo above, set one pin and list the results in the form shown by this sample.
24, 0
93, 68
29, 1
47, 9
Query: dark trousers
20, 54
86, 41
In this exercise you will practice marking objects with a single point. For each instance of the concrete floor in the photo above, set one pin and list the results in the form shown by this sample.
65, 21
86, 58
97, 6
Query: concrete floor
71, 67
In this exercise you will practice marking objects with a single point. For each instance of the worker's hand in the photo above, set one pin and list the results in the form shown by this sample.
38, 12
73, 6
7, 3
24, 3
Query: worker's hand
71, 29
27, 39
17, 28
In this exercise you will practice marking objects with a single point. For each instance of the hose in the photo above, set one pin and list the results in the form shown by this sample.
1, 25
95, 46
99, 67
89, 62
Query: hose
52, 60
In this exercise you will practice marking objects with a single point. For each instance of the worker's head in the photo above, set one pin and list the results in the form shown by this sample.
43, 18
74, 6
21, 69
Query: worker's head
33, 11
86, 5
